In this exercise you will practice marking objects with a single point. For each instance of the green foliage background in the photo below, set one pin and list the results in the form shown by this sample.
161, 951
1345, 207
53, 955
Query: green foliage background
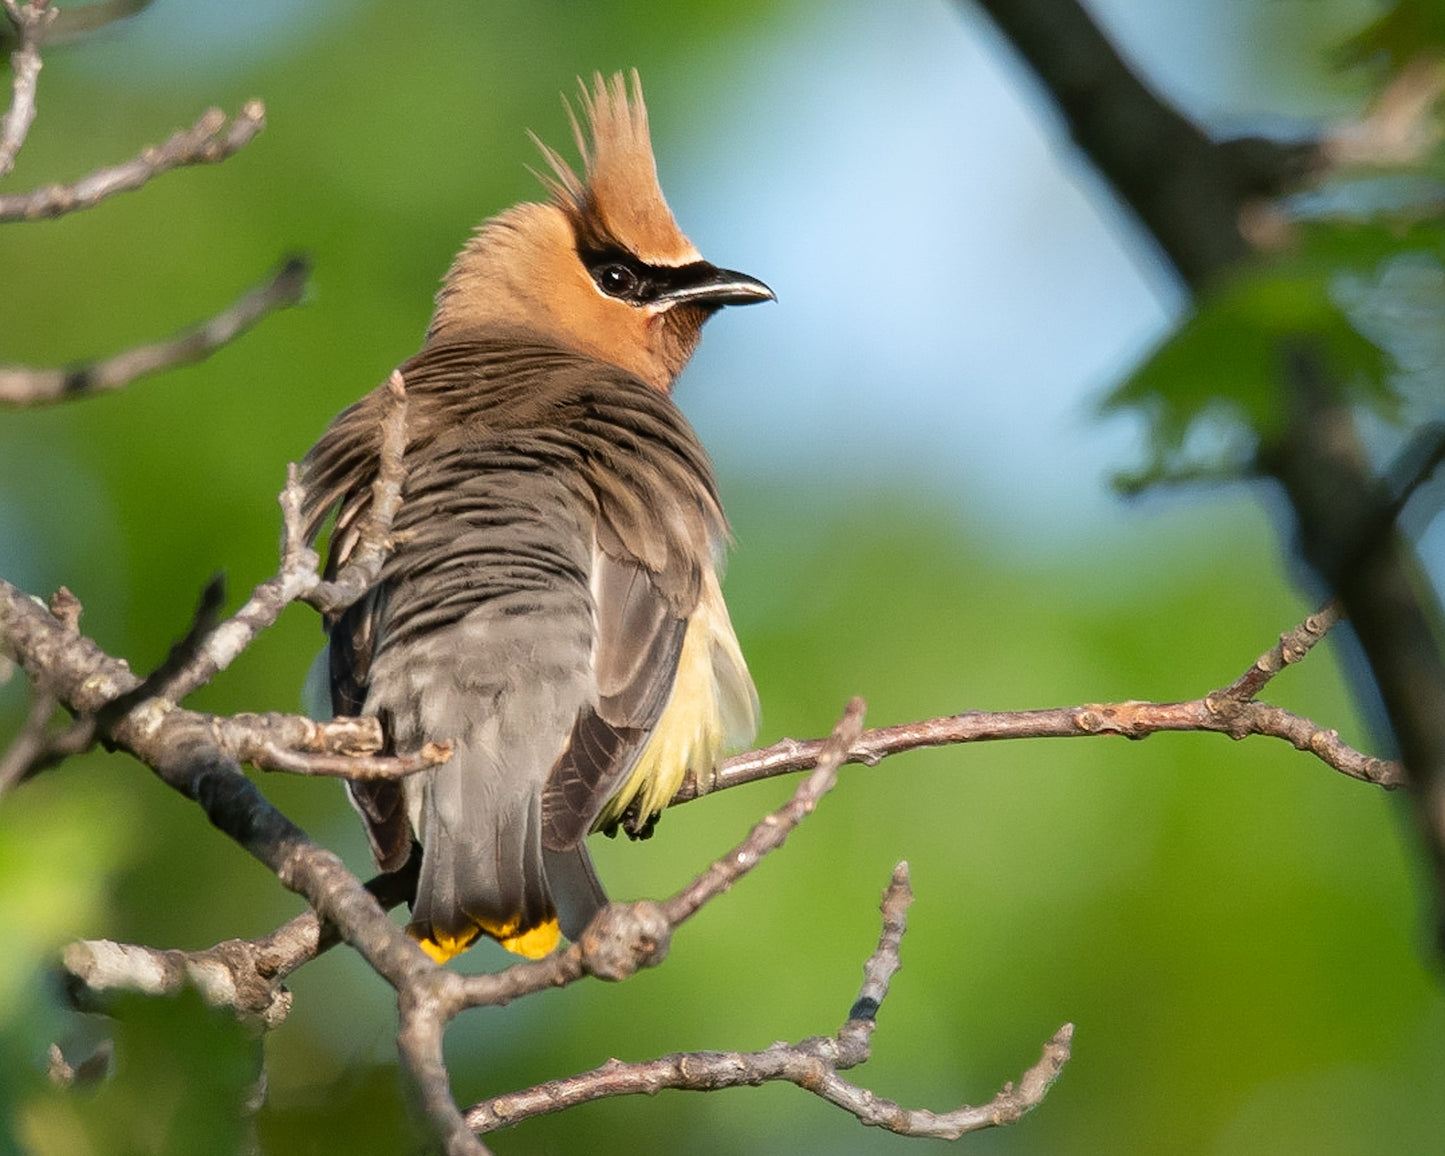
1234, 928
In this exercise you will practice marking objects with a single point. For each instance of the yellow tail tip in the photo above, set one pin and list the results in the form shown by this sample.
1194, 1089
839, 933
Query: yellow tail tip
442, 947
534, 942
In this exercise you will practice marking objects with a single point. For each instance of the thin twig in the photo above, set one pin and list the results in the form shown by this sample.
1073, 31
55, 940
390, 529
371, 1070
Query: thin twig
769, 834
209, 141
297, 578
162, 682
245, 976
29, 21
625, 937
20, 385
364, 563
30, 743
344, 748
1134, 720
1292, 646
812, 1064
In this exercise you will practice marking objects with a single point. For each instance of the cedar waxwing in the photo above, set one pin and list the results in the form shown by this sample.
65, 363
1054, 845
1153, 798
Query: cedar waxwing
551, 607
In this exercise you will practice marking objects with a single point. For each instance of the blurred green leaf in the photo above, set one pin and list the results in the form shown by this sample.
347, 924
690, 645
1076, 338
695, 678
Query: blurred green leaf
1406, 30
1212, 391
182, 1075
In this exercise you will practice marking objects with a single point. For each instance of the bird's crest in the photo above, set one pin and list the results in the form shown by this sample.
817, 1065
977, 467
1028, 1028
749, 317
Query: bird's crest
620, 202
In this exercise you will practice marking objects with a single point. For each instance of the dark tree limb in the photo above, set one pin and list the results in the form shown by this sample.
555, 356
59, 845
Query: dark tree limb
1186, 189
22, 386
1340, 507
812, 1064
209, 141
1191, 196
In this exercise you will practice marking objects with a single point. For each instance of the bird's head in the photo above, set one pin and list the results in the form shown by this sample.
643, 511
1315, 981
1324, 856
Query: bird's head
602, 267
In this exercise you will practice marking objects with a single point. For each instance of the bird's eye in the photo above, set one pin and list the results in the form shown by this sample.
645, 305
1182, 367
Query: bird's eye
616, 280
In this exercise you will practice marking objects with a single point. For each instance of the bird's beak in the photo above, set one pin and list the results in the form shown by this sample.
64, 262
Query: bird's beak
707, 285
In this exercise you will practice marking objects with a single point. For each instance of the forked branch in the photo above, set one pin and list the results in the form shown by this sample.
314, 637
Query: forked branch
812, 1064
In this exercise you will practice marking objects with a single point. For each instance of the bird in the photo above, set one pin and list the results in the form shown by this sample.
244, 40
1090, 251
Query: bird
551, 606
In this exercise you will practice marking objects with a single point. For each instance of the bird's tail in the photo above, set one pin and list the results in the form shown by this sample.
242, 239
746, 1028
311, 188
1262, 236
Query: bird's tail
484, 871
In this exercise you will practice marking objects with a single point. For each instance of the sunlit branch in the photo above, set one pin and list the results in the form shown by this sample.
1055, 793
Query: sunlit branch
29, 21
812, 1064
22, 386
210, 140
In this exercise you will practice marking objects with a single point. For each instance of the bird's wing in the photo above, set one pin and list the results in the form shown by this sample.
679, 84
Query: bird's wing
659, 526
639, 639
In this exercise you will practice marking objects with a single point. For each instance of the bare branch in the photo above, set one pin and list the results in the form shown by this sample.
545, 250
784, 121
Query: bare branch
255, 970
363, 567
1216, 712
338, 748
630, 936
162, 682
812, 1064
35, 747
769, 834
209, 652
352, 767
178, 745
20, 385
99, 967
419, 1042
209, 141
27, 749
30, 21
1293, 645
625, 937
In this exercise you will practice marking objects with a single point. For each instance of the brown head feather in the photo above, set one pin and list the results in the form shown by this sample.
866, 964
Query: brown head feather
533, 268
620, 201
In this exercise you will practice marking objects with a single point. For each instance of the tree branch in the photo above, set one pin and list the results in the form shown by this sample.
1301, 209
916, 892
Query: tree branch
1191, 194
20, 385
812, 1064
205, 653
29, 21
1187, 190
245, 976
1230, 711
640, 933
363, 567
209, 141
1292, 646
